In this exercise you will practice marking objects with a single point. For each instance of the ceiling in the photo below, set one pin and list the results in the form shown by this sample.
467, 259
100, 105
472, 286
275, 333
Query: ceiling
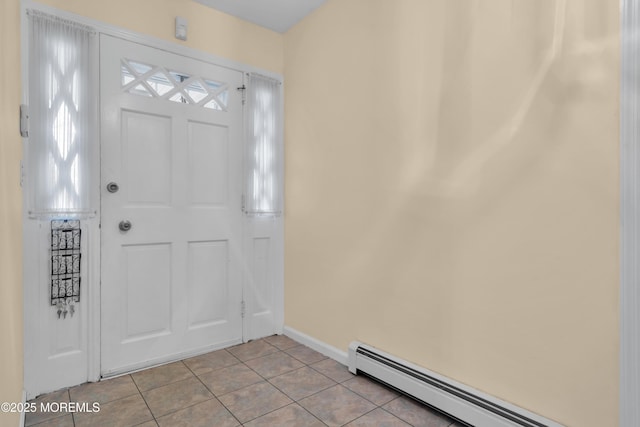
277, 15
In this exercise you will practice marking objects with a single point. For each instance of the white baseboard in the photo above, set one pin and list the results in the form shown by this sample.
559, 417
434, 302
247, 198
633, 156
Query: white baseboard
317, 345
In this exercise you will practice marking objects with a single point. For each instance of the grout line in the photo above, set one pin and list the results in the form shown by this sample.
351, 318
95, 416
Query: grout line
297, 402
312, 394
376, 384
266, 380
335, 383
143, 399
368, 412
156, 367
231, 354
55, 414
320, 372
73, 414
302, 345
267, 413
395, 416
214, 396
259, 356
311, 413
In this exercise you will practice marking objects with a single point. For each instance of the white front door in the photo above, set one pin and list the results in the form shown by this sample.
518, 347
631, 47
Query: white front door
171, 220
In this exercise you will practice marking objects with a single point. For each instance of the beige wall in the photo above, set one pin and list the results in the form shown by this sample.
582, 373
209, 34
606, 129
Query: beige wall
452, 192
209, 30
10, 211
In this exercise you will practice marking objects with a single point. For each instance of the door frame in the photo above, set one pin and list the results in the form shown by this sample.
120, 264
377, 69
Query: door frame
93, 247
629, 211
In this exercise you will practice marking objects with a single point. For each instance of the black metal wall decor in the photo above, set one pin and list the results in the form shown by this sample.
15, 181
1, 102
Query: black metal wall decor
65, 264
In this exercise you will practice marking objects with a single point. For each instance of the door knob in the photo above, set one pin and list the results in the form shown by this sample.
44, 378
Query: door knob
124, 225
112, 187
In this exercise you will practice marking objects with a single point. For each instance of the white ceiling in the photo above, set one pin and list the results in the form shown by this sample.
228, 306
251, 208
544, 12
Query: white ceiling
277, 15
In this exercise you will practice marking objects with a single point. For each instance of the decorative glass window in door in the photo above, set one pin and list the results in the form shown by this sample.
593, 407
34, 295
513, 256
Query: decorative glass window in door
158, 82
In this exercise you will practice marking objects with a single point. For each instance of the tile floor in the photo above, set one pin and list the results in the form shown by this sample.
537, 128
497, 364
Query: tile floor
274, 381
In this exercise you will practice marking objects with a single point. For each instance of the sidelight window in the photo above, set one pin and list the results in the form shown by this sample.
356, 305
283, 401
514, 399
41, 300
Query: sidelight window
62, 137
263, 155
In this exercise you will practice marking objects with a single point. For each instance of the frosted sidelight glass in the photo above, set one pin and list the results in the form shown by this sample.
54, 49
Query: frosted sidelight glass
62, 125
263, 159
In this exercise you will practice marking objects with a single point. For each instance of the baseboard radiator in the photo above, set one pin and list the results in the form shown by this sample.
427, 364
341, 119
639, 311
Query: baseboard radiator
446, 395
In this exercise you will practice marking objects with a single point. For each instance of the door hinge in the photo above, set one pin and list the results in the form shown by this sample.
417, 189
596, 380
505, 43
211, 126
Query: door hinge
24, 121
243, 89
242, 309
242, 203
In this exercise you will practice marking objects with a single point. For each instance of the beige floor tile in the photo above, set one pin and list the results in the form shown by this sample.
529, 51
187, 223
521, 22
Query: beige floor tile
379, 418
282, 342
252, 349
104, 391
36, 417
254, 401
175, 396
126, 412
63, 421
334, 370
161, 375
305, 354
337, 405
211, 361
178, 398
370, 390
274, 364
206, 414
229, 379
302, 383
289, 416
416, 414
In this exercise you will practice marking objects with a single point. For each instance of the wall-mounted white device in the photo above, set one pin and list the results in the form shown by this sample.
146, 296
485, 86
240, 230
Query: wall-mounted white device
181, 28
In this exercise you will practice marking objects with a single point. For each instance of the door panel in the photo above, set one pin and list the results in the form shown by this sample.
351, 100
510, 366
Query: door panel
208, 168
146, 140
147, 286
208, 283
171, 140
261, 264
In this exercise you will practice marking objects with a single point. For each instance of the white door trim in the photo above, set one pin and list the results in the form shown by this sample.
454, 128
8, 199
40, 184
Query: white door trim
629, 211
93, 298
